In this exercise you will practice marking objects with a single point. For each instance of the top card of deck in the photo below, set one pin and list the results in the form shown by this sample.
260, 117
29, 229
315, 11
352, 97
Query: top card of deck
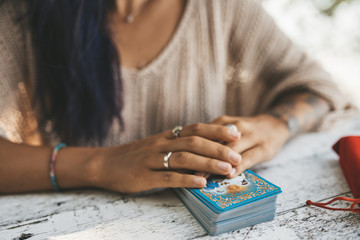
222, 194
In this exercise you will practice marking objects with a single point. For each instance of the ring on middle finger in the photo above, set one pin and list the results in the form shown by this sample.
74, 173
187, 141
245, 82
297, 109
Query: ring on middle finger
166, 160
176, 131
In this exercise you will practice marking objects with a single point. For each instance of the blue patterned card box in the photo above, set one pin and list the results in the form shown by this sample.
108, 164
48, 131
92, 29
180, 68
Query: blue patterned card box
222, 194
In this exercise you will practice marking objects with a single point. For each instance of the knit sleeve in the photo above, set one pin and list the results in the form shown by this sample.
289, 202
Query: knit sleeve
12, 72
268, 64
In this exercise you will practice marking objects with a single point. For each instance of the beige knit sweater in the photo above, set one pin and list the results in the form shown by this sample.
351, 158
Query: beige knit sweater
226, 57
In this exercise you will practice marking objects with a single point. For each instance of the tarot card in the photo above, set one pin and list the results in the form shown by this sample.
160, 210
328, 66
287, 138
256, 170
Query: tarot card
221, 194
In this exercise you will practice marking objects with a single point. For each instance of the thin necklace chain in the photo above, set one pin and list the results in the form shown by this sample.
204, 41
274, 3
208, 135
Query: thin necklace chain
130, 16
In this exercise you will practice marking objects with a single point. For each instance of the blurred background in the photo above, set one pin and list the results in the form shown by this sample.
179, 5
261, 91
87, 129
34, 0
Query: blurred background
328, 30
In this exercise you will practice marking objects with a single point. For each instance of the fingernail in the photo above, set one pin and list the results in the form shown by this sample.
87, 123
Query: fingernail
200, 181
234, 157
233, 133
223, 166
233, 171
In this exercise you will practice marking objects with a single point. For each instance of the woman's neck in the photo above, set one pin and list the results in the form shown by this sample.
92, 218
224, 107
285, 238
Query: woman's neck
129, 9
142, 41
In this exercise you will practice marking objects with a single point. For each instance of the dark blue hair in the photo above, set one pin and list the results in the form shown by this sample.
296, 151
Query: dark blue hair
78, 80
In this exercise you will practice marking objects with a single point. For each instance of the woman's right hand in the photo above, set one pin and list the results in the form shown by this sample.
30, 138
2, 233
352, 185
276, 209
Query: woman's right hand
139, 166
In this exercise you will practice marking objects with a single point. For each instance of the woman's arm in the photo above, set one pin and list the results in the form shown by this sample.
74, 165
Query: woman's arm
25, 168
134, 167
276, 82
301, 112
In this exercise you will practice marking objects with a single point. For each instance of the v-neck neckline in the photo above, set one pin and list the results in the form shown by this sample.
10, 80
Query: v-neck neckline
168, 48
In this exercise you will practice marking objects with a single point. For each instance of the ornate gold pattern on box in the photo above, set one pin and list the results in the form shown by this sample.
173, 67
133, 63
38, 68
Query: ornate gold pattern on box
226, 192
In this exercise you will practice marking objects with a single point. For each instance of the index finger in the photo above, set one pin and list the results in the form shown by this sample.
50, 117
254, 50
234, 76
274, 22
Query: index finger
171, 179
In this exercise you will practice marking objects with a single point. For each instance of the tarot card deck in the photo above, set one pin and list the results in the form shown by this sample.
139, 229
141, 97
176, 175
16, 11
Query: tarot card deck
228, 204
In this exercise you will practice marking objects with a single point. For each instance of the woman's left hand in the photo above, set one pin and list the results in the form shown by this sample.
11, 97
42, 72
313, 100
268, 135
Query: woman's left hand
261, 139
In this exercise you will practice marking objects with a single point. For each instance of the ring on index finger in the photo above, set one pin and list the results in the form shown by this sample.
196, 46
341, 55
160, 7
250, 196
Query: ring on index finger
176, 131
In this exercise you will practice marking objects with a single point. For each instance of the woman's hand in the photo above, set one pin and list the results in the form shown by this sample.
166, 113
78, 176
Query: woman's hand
139, 166
262, 137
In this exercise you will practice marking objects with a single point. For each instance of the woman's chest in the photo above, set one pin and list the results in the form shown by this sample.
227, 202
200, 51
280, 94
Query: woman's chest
142, 40
179, 93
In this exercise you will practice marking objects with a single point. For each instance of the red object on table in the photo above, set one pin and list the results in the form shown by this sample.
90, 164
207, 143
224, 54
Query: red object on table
348, 149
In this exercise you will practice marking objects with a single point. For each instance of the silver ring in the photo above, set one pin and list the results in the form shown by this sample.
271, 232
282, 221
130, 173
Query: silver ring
166, 160
176, 131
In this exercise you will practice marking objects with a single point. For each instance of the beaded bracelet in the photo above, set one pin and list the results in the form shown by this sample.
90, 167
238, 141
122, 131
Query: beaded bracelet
52, 165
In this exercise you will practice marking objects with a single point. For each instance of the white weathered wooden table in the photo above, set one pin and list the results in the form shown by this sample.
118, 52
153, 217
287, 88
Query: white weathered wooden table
305, 169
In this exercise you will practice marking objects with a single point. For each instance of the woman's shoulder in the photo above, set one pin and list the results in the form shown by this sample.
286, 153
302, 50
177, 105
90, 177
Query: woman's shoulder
12, 29
12, 14
230, 3
230, 6
12, 44
231, 12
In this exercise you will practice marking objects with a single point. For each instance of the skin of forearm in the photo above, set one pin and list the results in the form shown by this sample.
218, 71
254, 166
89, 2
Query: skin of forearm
25, 168
301, 112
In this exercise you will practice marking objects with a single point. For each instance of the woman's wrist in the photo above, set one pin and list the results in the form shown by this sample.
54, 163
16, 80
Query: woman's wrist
301, 112
278, 125
77, 167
